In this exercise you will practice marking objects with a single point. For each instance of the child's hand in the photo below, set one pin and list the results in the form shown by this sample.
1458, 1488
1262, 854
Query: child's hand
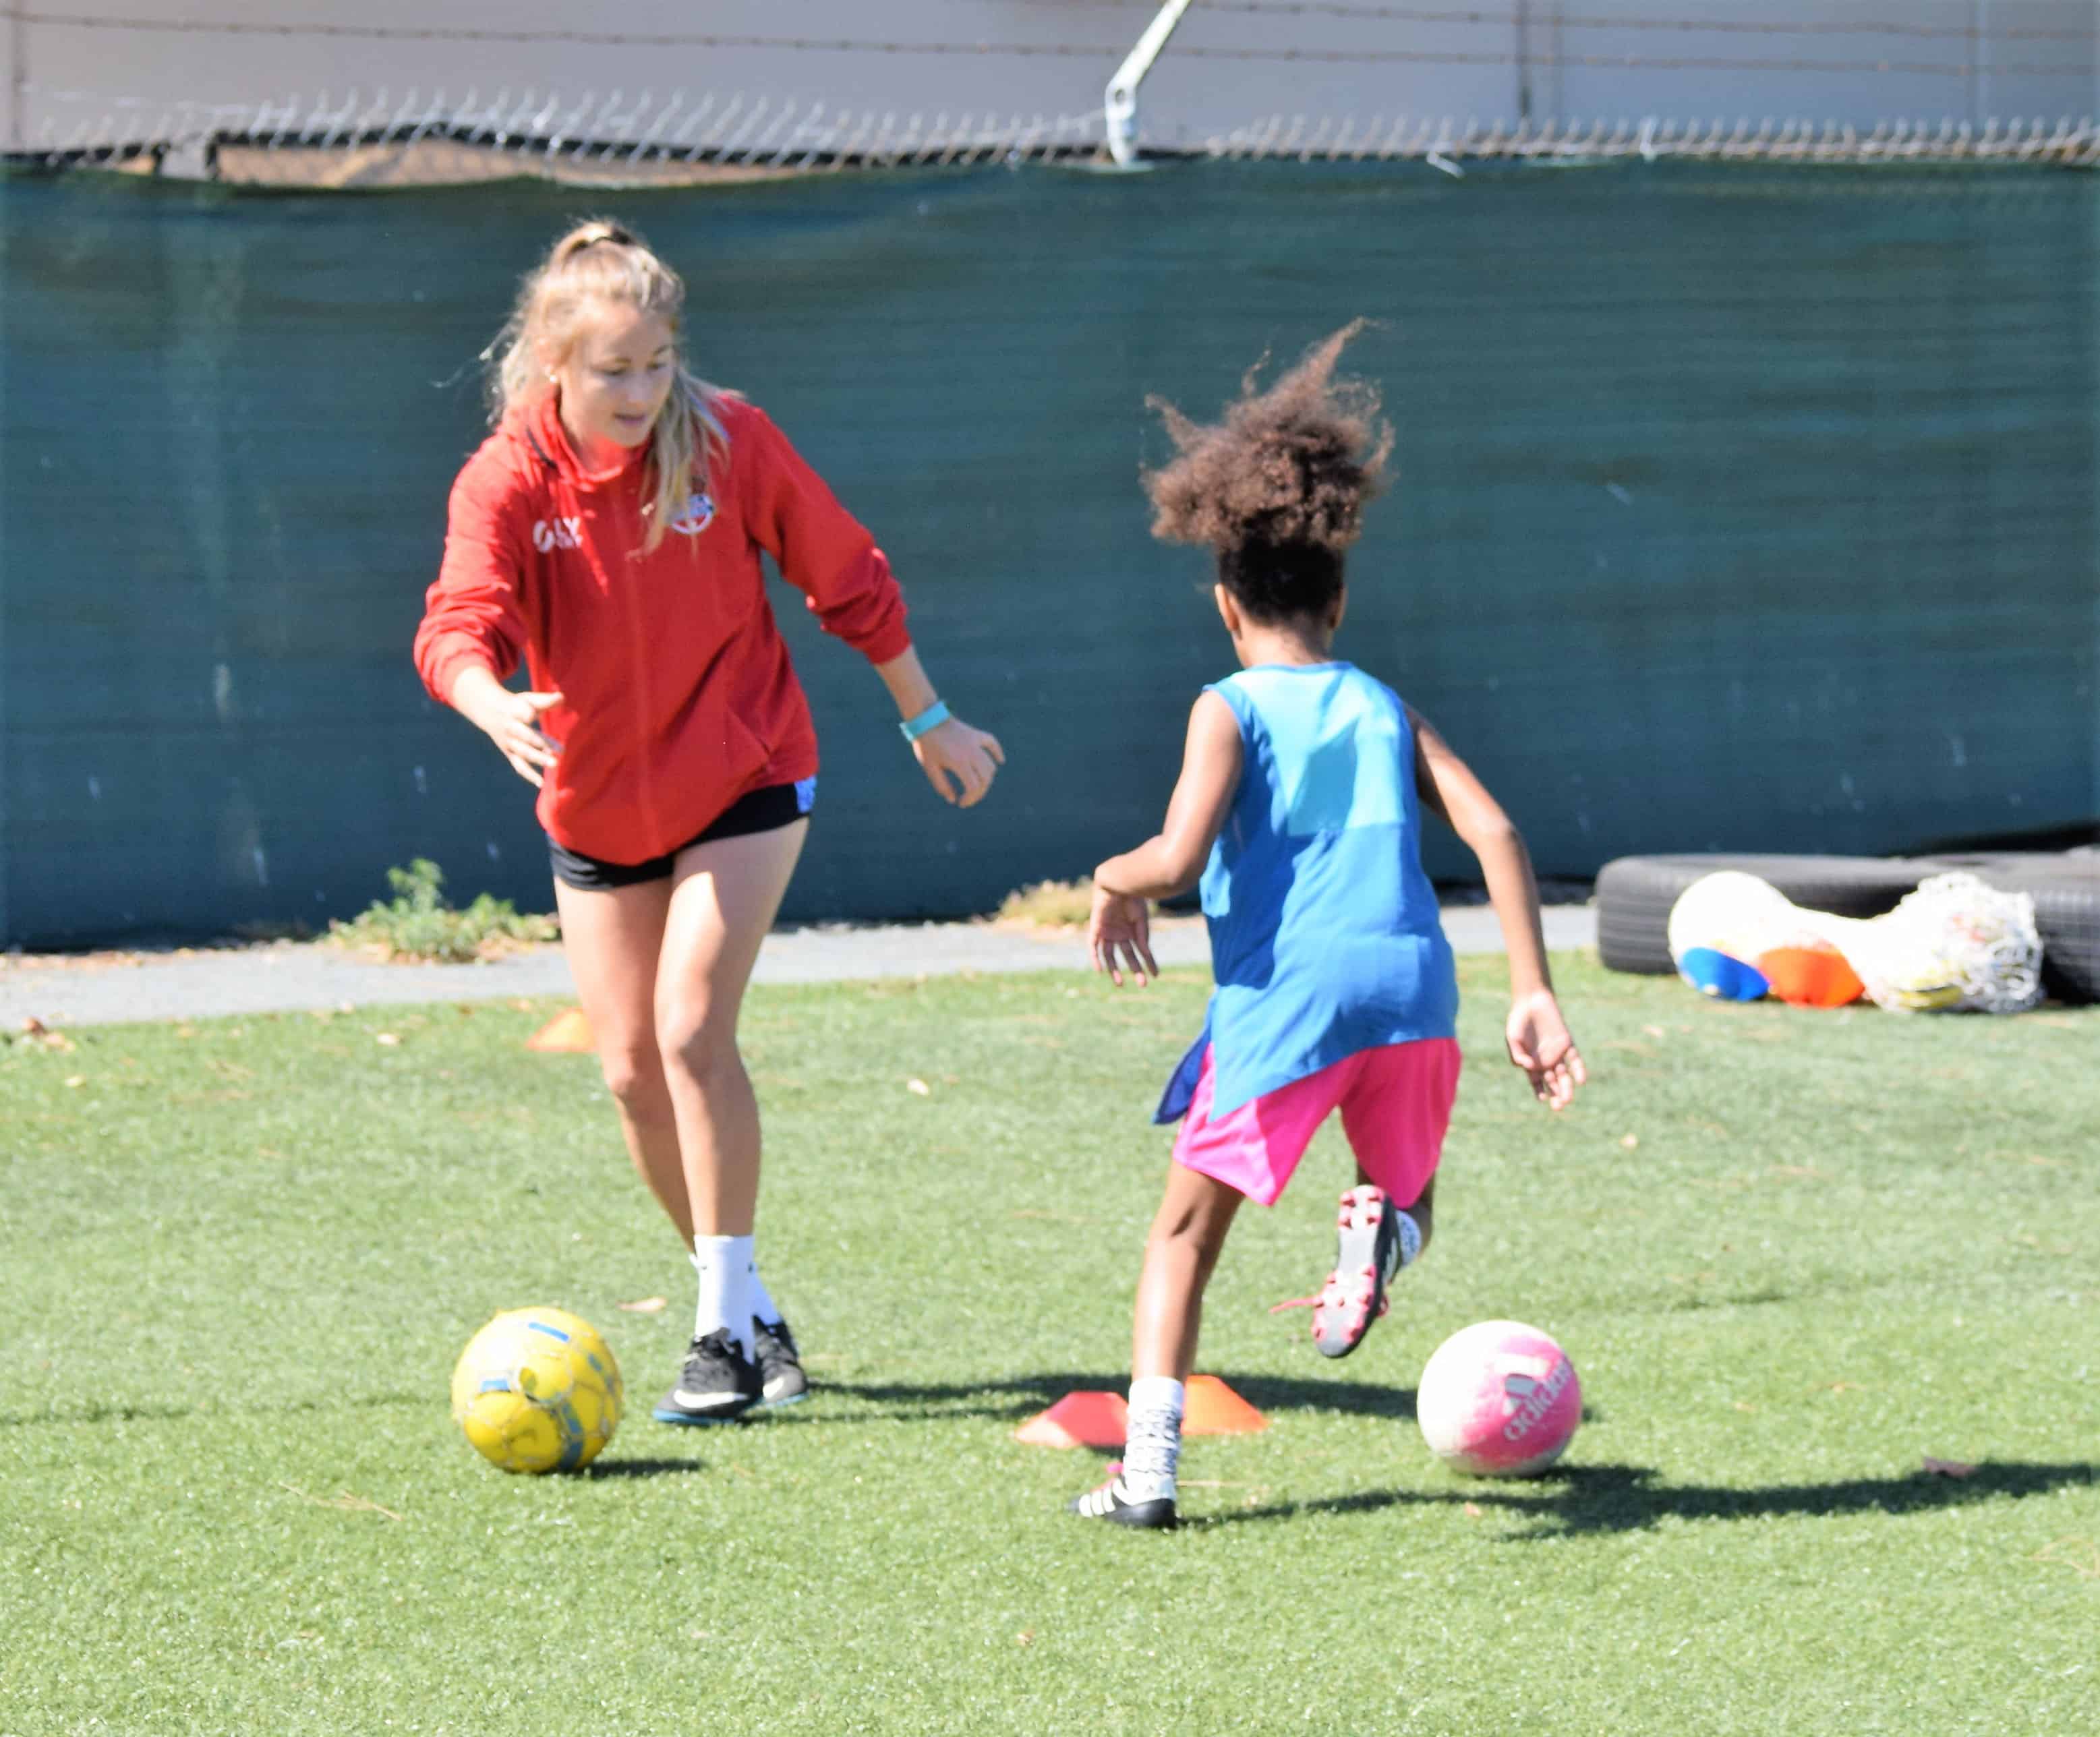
1120, 923
1539, 1043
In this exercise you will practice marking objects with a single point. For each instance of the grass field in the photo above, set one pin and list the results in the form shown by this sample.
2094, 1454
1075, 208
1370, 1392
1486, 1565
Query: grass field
1793, 1255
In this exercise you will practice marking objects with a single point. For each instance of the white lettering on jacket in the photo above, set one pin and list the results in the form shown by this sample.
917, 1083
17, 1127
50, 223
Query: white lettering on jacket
560, 533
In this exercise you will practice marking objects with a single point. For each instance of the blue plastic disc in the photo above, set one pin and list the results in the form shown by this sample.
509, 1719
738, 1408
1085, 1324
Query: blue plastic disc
1714, 973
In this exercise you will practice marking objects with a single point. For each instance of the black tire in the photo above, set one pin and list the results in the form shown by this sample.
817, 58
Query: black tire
1634, 895
2066, 888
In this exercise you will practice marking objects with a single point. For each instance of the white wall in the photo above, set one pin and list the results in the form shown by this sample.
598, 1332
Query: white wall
1958, 59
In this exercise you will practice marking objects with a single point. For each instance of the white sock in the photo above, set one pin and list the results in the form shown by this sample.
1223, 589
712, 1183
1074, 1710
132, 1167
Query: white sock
763, 1308
724, 1266
1410, 1244
1152, 1440
762, 1305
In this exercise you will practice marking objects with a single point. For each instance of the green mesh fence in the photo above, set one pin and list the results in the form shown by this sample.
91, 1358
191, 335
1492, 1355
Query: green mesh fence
1740, 507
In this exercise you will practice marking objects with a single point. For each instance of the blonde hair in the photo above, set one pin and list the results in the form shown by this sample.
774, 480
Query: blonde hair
608, 262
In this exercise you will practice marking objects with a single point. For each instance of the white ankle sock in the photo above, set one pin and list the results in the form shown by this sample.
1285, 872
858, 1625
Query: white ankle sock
1152, 1439
763, 1308
1410, 1244
762, 1305
725, 1269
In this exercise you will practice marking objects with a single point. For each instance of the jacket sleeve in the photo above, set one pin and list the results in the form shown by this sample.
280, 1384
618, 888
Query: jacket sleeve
471, 614
821, 549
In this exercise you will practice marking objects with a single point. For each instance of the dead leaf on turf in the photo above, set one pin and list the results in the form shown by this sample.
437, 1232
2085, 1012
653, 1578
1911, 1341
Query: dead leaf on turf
2081, 1555
644, 1306
1474, 1510
343, 1500
1949, 1468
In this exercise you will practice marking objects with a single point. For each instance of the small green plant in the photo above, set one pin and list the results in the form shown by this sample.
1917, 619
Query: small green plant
416, 924
1049, 904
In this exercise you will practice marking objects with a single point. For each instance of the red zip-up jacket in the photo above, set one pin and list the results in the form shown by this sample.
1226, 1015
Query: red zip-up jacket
677, 695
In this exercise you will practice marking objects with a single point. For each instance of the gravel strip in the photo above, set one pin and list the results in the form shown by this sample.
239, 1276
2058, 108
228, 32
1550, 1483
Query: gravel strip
284, 977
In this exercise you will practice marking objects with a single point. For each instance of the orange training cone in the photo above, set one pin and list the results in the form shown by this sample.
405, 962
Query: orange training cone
567, 1030
1079, 1419
1810, 977
1213, 1408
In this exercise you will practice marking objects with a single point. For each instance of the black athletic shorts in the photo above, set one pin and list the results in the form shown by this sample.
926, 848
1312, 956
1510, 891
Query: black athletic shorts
765, 809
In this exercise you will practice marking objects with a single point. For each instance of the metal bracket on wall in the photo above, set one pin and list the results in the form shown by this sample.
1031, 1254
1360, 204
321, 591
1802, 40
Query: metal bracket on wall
1120, 102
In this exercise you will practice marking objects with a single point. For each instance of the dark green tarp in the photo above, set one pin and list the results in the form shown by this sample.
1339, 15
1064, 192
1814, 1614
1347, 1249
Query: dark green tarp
1738, 507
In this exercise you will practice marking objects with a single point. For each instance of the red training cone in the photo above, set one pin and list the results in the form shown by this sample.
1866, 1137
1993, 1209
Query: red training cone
1079, 1419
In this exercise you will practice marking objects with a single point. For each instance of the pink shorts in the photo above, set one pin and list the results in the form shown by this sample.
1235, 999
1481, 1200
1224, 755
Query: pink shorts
1396, 1105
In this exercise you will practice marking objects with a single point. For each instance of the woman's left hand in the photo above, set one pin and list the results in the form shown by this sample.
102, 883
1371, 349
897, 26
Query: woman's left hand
959, 762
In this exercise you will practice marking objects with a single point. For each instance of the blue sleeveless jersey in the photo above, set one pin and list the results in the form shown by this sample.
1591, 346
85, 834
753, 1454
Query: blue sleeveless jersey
1324, 933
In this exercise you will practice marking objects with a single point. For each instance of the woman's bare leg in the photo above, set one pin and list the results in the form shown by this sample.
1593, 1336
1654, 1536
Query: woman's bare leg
614, 939
724, 897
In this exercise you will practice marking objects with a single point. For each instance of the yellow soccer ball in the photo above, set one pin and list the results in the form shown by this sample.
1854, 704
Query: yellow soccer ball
537, 1390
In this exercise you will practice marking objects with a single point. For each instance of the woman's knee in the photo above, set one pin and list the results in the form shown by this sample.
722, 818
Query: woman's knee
698, 1043
633, 1074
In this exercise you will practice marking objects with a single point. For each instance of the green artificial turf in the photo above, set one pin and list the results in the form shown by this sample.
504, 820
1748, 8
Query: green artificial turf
1793, 1253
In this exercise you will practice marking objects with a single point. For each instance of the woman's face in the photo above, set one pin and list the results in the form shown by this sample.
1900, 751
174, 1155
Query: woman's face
616, 376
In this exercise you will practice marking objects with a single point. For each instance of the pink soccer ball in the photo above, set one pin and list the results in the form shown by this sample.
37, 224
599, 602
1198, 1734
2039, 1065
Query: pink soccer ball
1498, 1400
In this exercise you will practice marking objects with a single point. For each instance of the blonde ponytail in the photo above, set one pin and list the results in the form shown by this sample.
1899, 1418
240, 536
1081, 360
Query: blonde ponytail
607, 261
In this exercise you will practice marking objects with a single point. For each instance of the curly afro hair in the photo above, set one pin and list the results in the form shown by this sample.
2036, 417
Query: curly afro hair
1277, 490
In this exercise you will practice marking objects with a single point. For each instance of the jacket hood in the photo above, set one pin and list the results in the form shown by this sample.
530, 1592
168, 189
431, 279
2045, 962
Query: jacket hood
537, 427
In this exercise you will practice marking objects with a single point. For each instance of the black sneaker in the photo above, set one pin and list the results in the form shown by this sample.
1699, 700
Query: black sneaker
780, 1376
1111, 1501
718, 1384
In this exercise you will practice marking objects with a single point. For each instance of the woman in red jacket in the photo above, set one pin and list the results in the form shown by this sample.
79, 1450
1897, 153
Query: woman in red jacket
609, 532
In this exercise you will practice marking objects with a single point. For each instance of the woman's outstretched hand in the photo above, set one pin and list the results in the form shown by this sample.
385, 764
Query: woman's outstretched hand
1539, 1043
512, 722
959, 762
1119, 937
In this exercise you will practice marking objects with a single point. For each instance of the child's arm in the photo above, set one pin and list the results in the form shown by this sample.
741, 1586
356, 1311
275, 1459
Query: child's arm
1171, 861
1537, 1035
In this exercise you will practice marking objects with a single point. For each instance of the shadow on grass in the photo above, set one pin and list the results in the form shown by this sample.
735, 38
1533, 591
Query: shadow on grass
641, 1468
1585, 1499
111, 1411
1027, 1395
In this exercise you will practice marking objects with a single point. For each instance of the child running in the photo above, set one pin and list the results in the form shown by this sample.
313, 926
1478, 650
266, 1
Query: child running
1299, 806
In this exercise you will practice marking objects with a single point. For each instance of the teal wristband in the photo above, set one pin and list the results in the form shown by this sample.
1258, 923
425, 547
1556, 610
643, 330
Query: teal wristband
914, 728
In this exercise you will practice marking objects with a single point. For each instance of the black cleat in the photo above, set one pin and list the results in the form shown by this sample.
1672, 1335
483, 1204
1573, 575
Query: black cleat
780, 1377
718, 1384
1110, 1502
